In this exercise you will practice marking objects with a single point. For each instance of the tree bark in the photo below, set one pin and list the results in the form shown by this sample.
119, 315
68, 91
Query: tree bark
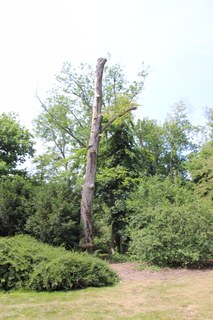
89, 182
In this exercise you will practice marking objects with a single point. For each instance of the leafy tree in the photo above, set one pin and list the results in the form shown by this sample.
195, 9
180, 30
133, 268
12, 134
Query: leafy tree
64, 123
15, 144
165, 148
201, 169
201, 165
15, 204
54, 126
209, 114
179, 136
149, 137
118, 172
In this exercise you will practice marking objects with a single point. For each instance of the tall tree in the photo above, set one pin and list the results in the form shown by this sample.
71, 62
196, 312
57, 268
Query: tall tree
149, 137
165, 148
96, 130
201, 164
89, 182
118, 172
16, 144
179, 140
16, 194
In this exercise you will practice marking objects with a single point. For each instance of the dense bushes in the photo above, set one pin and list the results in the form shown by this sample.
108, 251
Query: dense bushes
49, 211
15, 205
169, 225
56, 215
26, 263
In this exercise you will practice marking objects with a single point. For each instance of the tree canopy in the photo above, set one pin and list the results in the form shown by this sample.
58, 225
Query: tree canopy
16, 144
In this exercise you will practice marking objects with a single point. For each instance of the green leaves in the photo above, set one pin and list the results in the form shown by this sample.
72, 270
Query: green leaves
64, 123
169, 225
29, 264
165, 148
15, 143
201, 169
200, 165
56, 214
15, 206
178, 140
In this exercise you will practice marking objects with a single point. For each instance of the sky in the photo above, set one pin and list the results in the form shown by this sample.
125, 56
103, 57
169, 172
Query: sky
173, 37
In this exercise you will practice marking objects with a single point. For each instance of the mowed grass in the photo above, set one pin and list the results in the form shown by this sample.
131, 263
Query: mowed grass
188, 297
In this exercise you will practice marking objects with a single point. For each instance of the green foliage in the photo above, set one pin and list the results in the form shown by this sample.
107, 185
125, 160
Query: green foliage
201, 164
147, 266
15, 204
179, 136
164, 149
115, 85
149, 137
209, 114
169, 225
116, 257
15, 143
118, 171
201, 169
102, 231
56, 214
26, 263
65, 121
71, 271
19, 256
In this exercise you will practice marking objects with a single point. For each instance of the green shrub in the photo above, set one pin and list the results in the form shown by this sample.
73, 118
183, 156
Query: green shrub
171, 226
15, 204
56, 215
19, 255
71, 271
176, 236
27, 263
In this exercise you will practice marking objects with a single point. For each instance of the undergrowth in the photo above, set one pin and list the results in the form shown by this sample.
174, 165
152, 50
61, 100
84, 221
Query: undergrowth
27, 263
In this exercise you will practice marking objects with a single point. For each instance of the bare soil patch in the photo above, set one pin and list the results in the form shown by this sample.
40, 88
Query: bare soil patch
129, 271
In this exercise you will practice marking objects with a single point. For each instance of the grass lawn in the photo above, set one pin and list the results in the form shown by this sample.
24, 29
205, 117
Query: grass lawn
188, 297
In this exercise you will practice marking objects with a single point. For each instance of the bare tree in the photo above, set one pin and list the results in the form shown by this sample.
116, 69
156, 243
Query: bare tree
89, 182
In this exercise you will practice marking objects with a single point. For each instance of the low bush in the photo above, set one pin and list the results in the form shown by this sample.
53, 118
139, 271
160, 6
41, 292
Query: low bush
27, 263
19, 255
71, 271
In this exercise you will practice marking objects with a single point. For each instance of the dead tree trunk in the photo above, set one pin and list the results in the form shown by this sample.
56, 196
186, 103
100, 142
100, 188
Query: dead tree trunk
89, 182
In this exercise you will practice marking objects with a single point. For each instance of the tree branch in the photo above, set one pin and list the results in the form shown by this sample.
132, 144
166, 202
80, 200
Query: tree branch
84, 96
117, 116
58, 123
62, 104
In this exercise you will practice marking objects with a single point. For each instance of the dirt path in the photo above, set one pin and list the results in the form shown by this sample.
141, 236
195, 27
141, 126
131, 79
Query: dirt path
129, 271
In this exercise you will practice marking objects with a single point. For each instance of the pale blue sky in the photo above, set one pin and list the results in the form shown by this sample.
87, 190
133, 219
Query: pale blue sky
174, 37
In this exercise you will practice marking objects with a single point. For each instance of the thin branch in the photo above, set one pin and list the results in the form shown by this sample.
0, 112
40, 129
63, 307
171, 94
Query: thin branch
117, 116
135, 94
84, 98
62, 104
58, 123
